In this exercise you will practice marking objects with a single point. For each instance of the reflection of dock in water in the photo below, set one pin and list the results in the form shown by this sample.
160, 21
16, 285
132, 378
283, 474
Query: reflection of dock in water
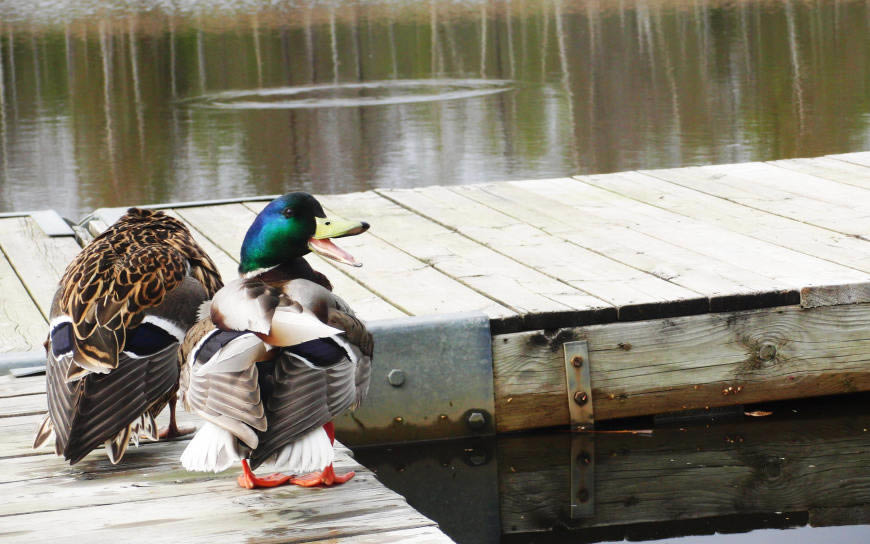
788, 470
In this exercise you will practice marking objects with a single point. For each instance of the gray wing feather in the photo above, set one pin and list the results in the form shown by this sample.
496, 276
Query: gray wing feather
230, 400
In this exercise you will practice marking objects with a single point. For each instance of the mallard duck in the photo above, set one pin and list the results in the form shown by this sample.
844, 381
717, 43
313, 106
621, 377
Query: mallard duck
277, 355
118, 315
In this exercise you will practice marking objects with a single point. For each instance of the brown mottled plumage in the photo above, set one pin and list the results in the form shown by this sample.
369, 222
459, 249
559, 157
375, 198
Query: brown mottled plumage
108, 375
128, 268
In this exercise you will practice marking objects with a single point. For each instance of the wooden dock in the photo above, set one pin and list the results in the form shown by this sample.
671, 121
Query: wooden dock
692, 288
149, 497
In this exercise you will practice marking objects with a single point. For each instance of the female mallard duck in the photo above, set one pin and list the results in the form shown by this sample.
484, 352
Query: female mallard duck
118, 315
279, 356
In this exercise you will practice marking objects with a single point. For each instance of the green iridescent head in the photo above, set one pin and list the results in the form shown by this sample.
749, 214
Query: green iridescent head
291, 226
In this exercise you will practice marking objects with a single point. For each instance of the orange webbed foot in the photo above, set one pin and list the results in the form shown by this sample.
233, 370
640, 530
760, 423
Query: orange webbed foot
248, 480
326, 478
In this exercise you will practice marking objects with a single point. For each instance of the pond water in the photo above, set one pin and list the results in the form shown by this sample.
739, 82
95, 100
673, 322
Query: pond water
794, 473
111, 103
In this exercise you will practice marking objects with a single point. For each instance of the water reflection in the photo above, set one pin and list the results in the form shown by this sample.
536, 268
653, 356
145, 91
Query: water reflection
799, 471
94, 110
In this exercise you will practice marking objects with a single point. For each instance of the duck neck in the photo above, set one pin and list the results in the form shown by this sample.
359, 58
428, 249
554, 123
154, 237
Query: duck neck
297, 268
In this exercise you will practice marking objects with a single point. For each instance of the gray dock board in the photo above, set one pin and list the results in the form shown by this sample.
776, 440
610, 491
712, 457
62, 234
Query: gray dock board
591, 272
787, 267
651, 187
22, 326
504, 280
830, 168
832, 207
47, 500
39, 260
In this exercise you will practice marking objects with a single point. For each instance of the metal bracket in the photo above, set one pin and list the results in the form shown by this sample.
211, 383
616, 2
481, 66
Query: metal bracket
431, 379
579, 385
582, 476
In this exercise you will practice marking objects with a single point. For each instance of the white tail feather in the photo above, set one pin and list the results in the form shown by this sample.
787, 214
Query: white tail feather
312, 451
213, 449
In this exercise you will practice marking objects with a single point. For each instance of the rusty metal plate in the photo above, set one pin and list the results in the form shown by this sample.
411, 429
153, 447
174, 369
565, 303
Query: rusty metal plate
579, 384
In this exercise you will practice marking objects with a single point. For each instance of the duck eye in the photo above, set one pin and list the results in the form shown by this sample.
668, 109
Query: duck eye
287, 212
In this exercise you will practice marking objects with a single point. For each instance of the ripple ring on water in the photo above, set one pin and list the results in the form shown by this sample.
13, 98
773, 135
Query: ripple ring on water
348, 95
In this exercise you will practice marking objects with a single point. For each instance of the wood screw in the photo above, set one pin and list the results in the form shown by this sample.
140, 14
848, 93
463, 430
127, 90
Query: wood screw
581, 398
577, 361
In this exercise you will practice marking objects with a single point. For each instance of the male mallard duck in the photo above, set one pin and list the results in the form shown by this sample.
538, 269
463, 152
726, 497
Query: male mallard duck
117, 318
279, 355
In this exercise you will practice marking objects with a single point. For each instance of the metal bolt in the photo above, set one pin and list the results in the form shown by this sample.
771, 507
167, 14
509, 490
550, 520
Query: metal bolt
396, 377
399, 419
577, 361
476, 420
583, 458
767, 351
583, 495
581, 398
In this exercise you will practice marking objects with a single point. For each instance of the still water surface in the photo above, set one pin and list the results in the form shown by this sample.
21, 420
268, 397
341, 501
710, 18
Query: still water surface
796, 475
104, 104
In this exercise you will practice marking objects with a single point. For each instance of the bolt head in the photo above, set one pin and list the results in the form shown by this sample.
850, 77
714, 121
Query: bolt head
396, 377
581, 398
577, 361
476, 420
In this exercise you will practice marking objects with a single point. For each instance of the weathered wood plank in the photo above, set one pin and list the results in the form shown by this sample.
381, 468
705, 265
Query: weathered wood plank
829, 168
616, 283
10, 386
685, 363
152, 489
739, 468
22, 406
793, 234
225, 226
832, 295
422, 535
152, 471
669, 261
787, 267
22, 326
500, 278
768, 189
37, 259
861, 157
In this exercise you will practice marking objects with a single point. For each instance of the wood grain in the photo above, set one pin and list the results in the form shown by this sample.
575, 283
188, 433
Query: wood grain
22, 326
38, 260
653, 187
691, 362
